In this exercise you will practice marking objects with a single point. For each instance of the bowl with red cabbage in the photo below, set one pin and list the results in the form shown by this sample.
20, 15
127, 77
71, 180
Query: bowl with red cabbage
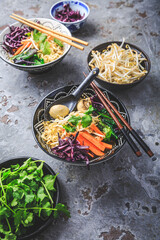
73, 14
71, 146
30, 50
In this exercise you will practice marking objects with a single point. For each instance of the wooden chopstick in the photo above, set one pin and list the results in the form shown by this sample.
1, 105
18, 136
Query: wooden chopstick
122, 129
53, 31
132, 131
49, 33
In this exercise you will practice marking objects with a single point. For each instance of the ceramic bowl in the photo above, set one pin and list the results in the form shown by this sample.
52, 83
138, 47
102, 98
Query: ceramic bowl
75, 6
38, 68
115, 86
39, 225
39, 117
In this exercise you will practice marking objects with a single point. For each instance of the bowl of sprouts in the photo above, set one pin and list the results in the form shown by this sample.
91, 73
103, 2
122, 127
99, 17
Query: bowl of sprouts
122, 65
30, 50
83, 137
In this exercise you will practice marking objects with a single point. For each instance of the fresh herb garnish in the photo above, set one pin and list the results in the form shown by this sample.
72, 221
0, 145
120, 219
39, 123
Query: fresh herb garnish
107, 129
90, 110
69, 128
58, 42
25, 195
38, 36
86, 120
74, 120
45, 47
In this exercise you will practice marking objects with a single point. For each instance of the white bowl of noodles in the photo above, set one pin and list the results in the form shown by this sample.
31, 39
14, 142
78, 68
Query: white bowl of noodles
54, 56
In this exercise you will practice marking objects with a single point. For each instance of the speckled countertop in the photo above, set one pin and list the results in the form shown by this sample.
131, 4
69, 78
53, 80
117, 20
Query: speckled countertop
118, 200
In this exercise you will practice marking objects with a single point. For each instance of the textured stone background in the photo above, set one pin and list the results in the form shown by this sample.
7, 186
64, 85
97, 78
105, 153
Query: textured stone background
118, 200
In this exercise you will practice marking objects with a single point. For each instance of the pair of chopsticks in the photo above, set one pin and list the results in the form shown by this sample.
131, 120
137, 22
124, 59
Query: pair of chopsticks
108, 105
60, 36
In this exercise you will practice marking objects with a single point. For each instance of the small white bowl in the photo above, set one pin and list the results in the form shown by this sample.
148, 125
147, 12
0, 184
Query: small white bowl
75, 6
37, 68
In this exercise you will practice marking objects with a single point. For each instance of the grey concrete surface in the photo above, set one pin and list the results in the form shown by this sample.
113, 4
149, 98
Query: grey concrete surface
118, 200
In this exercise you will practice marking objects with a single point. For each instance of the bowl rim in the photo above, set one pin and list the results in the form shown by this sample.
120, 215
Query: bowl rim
35, 66
69, 23
132, 46
82, 164
50, 219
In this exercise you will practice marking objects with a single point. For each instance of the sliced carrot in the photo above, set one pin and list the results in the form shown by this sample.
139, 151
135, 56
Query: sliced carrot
21, 48
96, 129
91, 155
93, 140
106, 145
91, 146
99, 139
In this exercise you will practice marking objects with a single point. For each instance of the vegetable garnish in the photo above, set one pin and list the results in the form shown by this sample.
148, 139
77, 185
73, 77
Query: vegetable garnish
21, 41
68, 15
13, 39
118, 65
26, 194
71, 150
94, 129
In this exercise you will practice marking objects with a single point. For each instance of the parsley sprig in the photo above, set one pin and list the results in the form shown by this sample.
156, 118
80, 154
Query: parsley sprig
25, 195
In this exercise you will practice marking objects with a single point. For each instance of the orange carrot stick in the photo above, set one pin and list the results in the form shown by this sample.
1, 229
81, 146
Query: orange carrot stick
21, 48
96, 129
106, 145
93, 140
91, 146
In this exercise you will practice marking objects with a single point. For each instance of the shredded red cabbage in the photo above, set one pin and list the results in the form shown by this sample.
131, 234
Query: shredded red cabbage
68, 15
71, 150
13, 39
96, 103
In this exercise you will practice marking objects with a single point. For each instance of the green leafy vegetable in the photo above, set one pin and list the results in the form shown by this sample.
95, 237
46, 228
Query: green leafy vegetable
25, 195
90, 110
45, 47
107, 129
58, 42
74, 120
38, 36
28, 34
69, 128
86, 120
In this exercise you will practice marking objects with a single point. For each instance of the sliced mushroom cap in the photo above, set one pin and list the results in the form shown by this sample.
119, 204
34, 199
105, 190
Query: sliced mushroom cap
83, 104
58, 110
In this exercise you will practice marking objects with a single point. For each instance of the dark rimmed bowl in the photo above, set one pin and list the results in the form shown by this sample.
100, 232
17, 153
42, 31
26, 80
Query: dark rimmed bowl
116, 86
37, 68
38, 118
40, 225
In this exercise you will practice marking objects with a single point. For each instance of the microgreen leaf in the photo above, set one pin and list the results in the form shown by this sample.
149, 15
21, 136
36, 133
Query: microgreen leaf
74, 120
86, 120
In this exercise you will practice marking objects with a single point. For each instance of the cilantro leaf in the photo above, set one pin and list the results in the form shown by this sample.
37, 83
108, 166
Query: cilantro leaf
90, 110
57, 41
61, 208
74, 120
86, 120
49, 181
45, 47
29, 198
40, 194
38, 36
69, 128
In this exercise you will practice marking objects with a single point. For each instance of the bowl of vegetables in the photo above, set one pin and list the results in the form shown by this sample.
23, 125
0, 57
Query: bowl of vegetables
30, 50
86, 136
73, 14
122, 65
29, 197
